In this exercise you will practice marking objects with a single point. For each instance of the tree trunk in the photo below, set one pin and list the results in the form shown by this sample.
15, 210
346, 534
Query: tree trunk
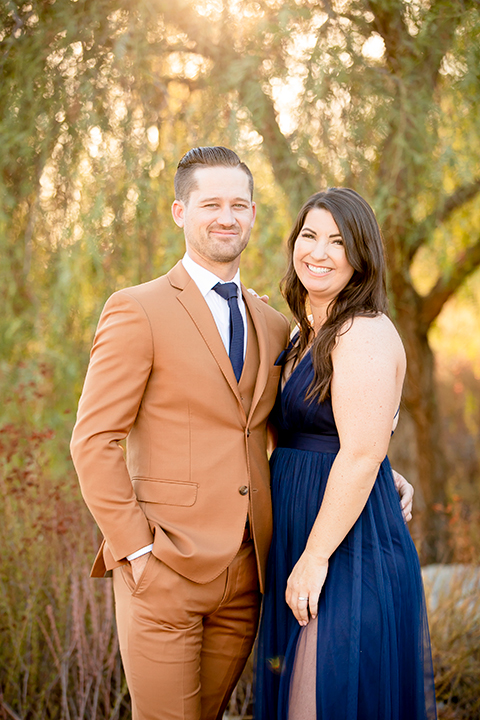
417, 446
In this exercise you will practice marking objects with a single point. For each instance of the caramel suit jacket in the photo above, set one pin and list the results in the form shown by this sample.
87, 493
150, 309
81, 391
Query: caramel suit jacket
196, 462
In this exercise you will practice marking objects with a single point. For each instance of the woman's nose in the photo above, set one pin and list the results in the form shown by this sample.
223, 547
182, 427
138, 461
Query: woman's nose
319, 250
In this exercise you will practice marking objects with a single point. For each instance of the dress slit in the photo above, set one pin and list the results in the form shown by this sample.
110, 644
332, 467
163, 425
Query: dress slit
302, 703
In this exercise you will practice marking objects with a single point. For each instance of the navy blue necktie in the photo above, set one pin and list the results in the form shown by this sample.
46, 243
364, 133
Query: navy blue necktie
229, 292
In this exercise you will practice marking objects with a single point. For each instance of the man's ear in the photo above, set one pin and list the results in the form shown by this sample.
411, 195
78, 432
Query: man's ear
254, 210
178, 212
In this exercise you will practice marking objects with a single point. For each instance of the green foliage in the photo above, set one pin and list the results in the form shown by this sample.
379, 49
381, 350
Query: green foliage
98, 102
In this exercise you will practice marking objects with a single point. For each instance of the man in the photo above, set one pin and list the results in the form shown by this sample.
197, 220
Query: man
184, 368
196, 467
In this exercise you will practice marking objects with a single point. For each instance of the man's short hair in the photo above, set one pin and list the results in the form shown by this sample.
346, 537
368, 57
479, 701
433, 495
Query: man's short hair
215, 156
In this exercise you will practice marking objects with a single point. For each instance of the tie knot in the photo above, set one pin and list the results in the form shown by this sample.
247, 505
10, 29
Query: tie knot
226, 290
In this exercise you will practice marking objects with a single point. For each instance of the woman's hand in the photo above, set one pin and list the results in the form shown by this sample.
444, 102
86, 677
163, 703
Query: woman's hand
265, 298
405, 490
305, 585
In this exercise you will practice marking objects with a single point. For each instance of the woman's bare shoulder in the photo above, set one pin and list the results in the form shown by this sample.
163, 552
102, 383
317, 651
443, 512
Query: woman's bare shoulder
375, 332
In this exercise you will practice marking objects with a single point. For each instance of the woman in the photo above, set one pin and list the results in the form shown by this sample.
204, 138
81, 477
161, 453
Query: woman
344, 632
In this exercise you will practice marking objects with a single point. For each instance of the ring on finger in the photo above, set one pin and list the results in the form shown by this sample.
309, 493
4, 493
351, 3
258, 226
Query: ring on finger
303, 598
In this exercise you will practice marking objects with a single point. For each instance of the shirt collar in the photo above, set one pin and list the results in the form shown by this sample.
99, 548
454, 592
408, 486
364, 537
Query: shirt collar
203, 278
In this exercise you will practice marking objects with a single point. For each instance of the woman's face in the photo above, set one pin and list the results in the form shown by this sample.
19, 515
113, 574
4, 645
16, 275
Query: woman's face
319, 257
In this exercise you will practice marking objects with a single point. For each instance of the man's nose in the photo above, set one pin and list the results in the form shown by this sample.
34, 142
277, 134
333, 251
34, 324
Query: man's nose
225, 216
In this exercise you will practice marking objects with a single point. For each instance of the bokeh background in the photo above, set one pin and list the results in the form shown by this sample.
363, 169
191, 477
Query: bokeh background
98, 101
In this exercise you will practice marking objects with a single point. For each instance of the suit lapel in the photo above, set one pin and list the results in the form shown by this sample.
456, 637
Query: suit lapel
194, 303
258, 319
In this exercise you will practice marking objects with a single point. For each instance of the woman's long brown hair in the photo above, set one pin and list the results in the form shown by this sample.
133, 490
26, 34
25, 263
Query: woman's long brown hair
365, 294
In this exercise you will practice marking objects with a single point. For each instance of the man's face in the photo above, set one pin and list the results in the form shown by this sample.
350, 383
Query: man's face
217, 218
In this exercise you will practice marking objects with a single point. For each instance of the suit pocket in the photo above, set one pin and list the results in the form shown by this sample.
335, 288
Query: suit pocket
148, 574
276, 371
274, 376
165, 492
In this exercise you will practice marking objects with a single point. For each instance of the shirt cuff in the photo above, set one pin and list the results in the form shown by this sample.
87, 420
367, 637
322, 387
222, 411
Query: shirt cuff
142, 551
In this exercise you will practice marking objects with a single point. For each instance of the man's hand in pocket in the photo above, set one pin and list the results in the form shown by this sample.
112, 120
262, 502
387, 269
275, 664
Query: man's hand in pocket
138, 566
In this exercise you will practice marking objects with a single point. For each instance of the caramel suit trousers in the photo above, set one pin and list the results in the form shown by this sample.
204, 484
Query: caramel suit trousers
184, 644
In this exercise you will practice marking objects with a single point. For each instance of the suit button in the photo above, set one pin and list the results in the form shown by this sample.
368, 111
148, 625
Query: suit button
243, 490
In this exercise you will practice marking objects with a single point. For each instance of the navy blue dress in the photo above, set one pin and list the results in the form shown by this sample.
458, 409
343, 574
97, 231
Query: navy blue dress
373, 658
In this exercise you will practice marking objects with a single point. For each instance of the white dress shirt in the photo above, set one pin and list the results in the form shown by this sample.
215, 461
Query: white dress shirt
205, 281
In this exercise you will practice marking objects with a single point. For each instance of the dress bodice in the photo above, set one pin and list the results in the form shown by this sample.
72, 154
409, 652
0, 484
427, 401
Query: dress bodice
293, 415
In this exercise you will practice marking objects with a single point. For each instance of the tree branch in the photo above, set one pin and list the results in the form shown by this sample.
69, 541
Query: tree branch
456, 200
192, 84
240, 72
461, 195
440, 22
389, 23
419, 55
293, 179
447, 285
199, 30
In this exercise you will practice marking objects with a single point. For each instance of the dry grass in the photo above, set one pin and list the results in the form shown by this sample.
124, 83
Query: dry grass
62, 661
241, 702
58, 646
59, 655
453, 596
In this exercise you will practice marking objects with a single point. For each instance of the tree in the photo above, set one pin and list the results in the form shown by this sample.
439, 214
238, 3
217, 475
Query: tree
99, 100
92, 124
383, 85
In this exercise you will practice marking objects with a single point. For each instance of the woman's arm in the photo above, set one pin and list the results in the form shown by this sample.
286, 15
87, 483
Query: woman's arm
368, 372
